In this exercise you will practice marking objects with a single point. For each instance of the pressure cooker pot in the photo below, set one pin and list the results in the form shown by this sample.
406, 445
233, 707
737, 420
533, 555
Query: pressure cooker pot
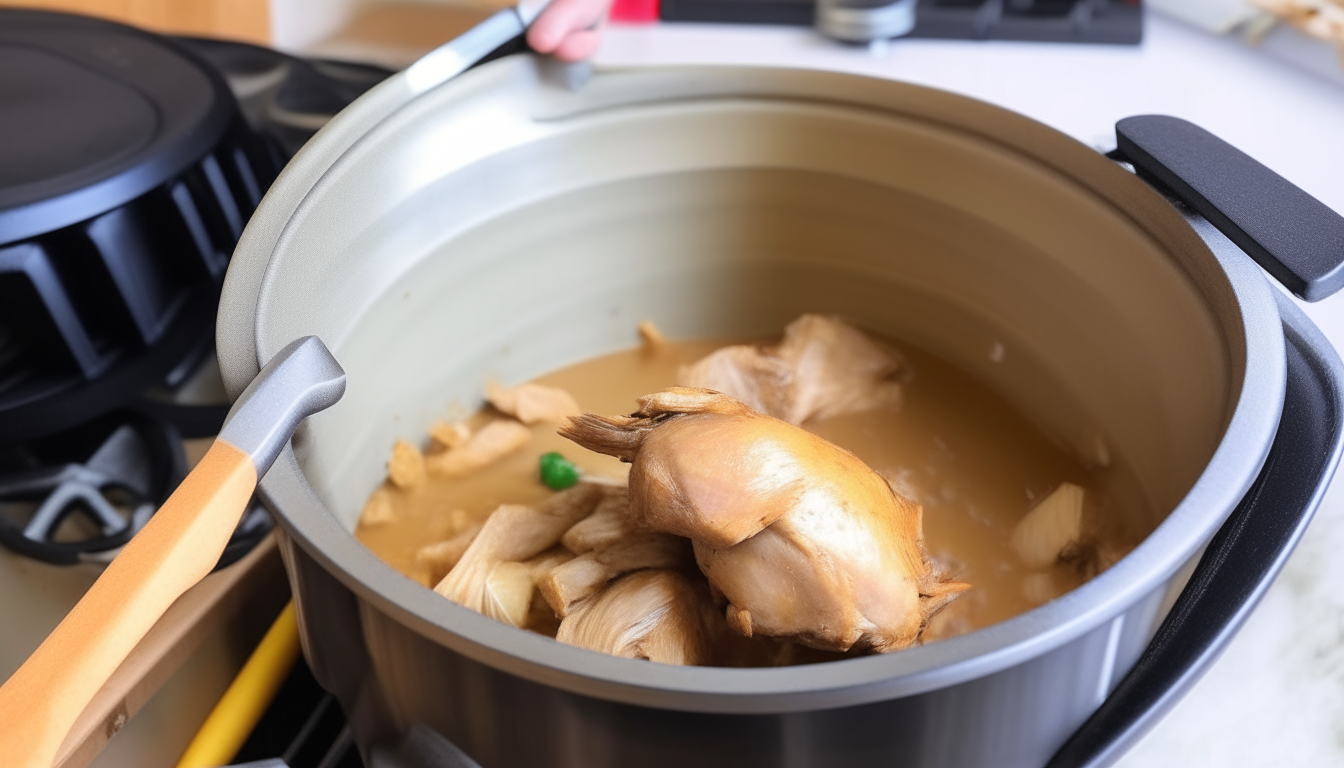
526, 215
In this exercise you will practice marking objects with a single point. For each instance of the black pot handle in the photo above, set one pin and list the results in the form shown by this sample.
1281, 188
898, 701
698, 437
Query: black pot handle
1240, 562
1294, 236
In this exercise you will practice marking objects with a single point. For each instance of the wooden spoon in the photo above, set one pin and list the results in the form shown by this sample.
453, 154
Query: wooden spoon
176, 549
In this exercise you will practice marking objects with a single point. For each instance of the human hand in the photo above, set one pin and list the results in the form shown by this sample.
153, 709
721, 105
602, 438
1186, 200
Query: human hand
569, 30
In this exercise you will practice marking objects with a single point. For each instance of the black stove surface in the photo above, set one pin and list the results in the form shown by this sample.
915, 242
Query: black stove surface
1059, 21
84, 463
303, 728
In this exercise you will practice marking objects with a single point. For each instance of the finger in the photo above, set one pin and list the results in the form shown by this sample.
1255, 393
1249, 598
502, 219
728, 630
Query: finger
579, 45
560, 19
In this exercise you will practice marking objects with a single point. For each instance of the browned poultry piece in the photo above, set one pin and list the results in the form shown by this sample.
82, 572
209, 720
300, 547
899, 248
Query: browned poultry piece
802, 538
823, 367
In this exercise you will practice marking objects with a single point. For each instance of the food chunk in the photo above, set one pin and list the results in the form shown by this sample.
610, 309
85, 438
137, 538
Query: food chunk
802, 539
609, 523
650, 337
380, 509
533, 403
823, 367
449, 435
658, 615
406, 468
513, 533
509, 587
442, 556
581, 577
493, 442
1052, 529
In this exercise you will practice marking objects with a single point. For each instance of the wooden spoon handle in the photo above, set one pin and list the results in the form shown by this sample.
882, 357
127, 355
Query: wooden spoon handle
179, 546
176, 549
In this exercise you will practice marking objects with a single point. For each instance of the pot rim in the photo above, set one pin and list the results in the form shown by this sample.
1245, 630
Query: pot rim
1231, 470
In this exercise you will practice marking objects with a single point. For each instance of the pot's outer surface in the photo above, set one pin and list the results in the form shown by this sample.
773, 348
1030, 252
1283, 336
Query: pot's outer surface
315, 260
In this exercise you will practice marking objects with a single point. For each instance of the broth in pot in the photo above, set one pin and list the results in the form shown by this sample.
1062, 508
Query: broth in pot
1010, 519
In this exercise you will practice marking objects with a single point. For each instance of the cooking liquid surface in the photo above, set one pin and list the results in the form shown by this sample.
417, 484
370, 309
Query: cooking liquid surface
951, 444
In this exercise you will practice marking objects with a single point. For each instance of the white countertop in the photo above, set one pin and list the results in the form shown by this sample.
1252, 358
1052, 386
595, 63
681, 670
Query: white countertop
1276, 697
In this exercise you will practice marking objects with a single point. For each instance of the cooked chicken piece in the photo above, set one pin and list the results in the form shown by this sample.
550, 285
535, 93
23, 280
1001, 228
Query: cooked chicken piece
652, 338
495, 441
1040, 588
651, 614
446, 435
752, 375
531, 403
608, 524
1052, 529
380, 509
586, 574
509, 587
822, 367
512, 534
406, 468
800, 536
441, 557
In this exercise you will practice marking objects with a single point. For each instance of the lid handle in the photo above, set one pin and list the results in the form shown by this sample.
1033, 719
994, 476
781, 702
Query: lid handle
1292, 235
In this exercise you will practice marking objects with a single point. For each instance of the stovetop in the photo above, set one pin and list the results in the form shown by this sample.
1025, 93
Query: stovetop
1063, 21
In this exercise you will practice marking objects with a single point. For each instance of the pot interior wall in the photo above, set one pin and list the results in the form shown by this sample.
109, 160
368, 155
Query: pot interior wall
470, 240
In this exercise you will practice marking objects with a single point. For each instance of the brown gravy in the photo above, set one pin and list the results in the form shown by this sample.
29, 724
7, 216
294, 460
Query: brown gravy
975, 464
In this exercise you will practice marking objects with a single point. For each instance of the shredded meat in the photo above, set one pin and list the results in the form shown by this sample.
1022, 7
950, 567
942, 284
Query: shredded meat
441, 557
513, 533
653, 614
493, 442
1052, 530
532, 403
509, 587
380, 509
449, 435
579, 578
406, 468
823, 367
608, 524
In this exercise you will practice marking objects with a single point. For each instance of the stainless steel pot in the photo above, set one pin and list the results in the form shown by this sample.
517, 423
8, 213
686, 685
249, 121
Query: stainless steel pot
525, 215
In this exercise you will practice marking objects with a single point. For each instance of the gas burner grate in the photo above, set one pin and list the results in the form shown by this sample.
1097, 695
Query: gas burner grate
79, 496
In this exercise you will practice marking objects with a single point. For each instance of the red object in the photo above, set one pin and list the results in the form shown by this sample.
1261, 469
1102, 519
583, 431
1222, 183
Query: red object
634, 11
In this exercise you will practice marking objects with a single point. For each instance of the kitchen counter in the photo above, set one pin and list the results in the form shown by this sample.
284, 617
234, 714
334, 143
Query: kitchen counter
1276, 697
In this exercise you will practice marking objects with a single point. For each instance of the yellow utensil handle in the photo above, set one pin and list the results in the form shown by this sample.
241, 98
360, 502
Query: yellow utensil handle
177, 548
251, 692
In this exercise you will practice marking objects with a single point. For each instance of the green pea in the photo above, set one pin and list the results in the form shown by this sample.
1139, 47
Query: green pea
557, 472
